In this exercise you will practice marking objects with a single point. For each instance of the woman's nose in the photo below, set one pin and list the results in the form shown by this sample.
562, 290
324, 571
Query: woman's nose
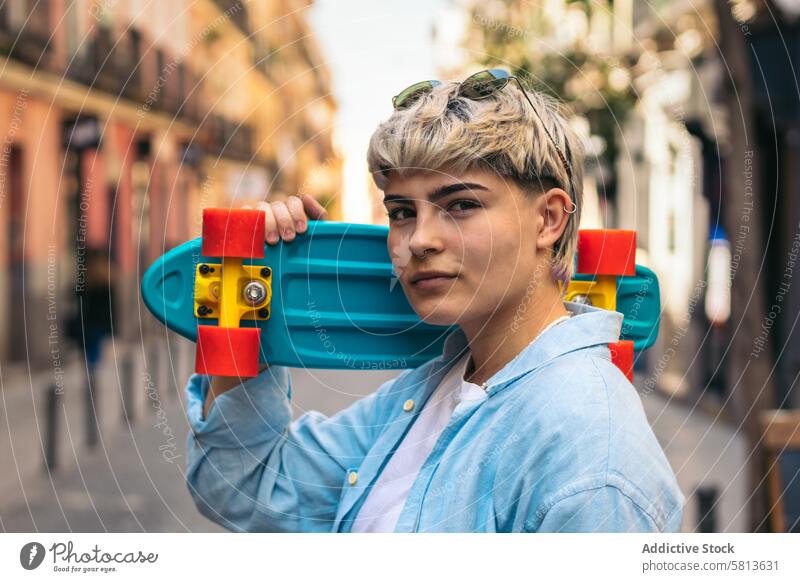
427, 235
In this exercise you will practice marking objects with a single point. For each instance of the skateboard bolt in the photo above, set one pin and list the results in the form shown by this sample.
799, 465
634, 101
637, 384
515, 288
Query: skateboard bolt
266, 272
584, 299
255, 292
263, 313
204, 269
203, 310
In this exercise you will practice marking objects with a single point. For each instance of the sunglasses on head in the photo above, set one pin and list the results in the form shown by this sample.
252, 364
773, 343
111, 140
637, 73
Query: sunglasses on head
481, 85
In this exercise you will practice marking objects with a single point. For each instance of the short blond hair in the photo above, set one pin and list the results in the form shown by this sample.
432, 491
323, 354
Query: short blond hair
501, 133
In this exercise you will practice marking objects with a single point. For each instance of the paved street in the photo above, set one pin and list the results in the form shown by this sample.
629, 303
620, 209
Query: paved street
126, 483
704, 452
133, 480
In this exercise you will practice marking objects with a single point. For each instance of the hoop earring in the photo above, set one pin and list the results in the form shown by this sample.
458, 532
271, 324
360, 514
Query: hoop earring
574, 208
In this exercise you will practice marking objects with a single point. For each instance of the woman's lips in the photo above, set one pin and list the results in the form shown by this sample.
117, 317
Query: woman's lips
433, 283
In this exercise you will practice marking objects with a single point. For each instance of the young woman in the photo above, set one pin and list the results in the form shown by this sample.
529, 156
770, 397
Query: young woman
523, 424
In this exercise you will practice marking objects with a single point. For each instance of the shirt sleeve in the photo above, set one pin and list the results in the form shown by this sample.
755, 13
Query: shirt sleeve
602, 509
250, 468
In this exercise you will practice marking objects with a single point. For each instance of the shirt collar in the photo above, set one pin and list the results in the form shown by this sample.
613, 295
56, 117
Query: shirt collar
588, 326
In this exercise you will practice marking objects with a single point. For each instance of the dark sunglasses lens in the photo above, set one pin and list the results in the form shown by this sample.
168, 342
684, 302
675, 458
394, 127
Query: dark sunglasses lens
481, 85
410, 95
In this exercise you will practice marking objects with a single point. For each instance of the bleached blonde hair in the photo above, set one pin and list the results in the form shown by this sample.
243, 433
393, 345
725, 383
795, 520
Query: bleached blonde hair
501, 133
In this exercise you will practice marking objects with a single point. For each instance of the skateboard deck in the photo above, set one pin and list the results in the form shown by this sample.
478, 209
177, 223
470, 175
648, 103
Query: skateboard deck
330, 299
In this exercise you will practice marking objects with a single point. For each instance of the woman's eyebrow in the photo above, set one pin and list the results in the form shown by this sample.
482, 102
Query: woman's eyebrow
438, 193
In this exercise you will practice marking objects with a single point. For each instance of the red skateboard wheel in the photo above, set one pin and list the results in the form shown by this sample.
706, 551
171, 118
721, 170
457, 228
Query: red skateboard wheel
622, 356
233, 232
607, 252
227, 351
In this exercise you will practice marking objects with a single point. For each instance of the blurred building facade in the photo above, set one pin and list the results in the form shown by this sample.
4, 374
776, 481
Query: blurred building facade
664, 190
122, 120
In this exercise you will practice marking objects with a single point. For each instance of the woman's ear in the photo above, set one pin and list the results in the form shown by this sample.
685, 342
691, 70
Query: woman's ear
552, 208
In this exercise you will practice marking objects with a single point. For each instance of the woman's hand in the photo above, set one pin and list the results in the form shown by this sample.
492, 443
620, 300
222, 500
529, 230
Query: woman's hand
284, 219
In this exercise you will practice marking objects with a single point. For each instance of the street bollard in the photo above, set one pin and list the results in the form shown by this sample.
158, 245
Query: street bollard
706, 509
175, 350
52, 400
126, 375
91, 410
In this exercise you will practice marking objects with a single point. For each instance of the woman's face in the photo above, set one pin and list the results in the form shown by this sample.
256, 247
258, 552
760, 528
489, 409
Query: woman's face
477, 230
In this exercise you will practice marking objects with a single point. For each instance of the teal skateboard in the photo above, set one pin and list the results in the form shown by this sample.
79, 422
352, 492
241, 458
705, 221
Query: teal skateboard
328, 299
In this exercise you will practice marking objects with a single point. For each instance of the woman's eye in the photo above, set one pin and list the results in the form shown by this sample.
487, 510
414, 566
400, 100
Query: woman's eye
395, 214
464, 204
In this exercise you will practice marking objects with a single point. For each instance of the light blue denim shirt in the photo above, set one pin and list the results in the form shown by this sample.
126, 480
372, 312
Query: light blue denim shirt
560, 444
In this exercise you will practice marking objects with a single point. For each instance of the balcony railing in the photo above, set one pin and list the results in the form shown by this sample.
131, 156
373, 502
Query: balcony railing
191, 108
151, 79
96, 64
228, 139
128, 57
25, 31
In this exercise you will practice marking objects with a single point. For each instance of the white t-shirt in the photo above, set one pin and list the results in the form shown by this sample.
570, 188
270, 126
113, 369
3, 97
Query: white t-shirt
385, 501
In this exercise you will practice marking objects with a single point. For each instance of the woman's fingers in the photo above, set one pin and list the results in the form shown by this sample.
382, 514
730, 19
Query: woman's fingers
282, 220
295, 206
270, 225
314, 209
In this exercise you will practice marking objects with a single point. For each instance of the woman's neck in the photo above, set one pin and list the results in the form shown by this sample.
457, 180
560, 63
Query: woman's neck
496, 341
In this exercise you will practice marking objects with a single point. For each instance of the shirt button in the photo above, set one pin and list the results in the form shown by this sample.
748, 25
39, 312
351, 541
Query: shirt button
352, 478
408, 405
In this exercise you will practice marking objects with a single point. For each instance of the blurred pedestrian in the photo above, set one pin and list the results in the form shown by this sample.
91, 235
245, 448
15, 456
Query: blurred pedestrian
93, 319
